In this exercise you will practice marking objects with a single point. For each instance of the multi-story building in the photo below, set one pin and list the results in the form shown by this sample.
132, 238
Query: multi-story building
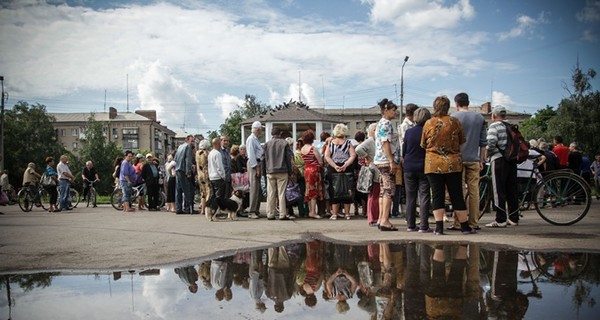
130, 131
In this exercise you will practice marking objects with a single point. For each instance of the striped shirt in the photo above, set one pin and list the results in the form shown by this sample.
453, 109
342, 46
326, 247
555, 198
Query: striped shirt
497, 140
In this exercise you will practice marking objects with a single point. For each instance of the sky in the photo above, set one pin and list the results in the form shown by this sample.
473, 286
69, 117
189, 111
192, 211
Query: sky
194, 61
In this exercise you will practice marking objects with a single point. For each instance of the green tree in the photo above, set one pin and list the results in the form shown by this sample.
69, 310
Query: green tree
232, 125
537, 126
29, 137
578, 117
101, 152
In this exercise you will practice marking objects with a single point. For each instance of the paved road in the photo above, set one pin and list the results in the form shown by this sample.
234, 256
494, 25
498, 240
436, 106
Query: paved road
105, 239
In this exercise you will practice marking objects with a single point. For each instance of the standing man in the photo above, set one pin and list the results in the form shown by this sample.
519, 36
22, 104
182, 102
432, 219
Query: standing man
184, 198
561, 151
278, 167
226, 164
64, 178
255, 155
216, 174
126, 180
88, 174
504, 173
406, 124
473, 155
150, 174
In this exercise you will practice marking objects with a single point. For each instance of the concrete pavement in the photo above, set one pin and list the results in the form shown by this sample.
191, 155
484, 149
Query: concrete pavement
105, 239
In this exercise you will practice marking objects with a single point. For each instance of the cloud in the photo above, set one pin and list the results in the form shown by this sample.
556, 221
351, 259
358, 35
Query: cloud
526, 25
500, 98
415, 14
590, 12
589, 36
159, 90
227, 104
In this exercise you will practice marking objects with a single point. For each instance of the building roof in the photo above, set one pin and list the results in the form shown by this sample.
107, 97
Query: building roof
290, 112
98, 116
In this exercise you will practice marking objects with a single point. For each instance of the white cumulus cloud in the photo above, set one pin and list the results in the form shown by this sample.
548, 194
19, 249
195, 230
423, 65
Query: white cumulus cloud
227, 104
500, 98
416, 13
526, 26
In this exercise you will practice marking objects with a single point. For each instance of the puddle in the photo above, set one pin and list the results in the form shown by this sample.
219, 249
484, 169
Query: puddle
321, 280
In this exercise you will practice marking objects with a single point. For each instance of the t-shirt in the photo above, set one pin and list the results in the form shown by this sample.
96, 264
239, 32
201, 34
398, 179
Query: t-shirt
89, 174
562, 152
475, 134
127, 170
385, 132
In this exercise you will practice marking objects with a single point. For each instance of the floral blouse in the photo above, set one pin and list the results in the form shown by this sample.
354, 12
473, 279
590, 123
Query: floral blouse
441, 139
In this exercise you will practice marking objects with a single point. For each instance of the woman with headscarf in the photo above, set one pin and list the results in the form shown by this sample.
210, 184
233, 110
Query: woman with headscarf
203, 179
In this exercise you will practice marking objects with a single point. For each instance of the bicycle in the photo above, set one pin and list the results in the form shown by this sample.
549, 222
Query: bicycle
27, 197
45, 197
560, 197
137, 191
11, 193
92, 194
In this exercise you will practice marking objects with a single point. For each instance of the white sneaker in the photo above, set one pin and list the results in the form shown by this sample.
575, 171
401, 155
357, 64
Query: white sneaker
253, 216
512, 223
495, 224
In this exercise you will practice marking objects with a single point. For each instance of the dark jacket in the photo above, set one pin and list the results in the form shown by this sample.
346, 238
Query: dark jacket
148, 174
277, 156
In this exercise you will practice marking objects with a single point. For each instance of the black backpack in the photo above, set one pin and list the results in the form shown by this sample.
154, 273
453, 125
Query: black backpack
516, 150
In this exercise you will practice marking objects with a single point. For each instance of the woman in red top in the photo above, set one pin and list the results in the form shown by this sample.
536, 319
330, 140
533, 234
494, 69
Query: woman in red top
312, 173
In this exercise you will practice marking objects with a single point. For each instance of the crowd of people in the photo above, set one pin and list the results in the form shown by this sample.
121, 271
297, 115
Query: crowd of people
426, 159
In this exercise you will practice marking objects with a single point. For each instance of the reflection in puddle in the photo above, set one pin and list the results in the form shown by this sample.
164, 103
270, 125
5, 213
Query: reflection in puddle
319, 280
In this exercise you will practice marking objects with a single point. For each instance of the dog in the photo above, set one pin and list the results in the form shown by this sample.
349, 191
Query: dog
229, 206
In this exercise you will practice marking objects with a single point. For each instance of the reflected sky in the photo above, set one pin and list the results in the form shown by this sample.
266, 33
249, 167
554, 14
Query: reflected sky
374, 281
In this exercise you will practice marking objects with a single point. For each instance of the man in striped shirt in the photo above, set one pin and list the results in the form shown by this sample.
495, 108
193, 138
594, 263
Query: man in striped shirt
504, 173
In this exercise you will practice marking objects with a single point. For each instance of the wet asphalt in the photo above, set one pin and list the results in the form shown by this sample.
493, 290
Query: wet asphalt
100, 239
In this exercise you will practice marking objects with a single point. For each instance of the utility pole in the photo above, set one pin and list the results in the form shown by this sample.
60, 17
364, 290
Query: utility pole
402, 88
4, 98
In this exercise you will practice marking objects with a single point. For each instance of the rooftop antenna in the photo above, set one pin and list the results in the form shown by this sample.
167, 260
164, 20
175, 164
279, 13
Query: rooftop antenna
299, 86
128, 93
323, 89
104, 100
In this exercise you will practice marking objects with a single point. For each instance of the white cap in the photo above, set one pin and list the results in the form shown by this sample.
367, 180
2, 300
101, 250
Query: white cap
256, 125
149, 155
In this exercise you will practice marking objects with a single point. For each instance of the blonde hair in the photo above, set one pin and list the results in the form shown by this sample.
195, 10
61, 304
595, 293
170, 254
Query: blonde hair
340, 130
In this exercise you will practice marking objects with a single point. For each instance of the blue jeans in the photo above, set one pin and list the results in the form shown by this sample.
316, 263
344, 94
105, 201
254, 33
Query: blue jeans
65, 187
126, 189
183, 190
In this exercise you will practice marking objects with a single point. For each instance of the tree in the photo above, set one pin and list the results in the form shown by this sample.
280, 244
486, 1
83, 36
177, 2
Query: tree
537, 126
232, 125
29, 137
578, 117
101, 152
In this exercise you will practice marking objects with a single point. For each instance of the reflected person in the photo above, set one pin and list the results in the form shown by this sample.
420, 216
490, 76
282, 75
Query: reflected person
189, 276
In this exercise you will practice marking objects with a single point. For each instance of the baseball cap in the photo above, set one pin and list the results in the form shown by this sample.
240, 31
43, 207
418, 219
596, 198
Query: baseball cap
499, 109
139, 155
256, 125
149, 155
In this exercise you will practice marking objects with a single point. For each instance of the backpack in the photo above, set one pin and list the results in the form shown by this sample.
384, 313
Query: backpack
365, 180
516, 150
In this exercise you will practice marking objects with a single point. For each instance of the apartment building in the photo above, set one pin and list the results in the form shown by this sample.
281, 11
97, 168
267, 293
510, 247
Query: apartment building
135, 131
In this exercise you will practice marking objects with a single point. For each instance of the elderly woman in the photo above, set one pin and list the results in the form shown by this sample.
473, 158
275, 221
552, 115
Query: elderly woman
415, 180
366, 150
171, 181
441, 138
51, 189
386, 151
203, 178
340, 156
312, 173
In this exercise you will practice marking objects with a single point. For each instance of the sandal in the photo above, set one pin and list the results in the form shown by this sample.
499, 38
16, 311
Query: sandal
333, 217
315, 216
347, 217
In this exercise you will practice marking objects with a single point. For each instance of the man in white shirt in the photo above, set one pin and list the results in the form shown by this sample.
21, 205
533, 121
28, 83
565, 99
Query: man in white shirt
255, 155
216, 173
65, 178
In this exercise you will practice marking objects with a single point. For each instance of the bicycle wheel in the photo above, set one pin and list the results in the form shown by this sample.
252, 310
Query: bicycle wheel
92, 197
45, 198
562, 199
485, 196
115, 199
562, 267
161, 199
74, 195
25, 200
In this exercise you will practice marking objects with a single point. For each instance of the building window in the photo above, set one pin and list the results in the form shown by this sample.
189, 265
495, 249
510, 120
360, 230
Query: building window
130, 138
359, 125
115, 133
74, 132
302, 127
74, 145
63, 132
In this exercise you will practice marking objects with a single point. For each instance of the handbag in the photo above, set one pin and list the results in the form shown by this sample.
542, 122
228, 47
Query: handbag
292, 192
3, 198
240, 181
47, 180
342, 186
365, 180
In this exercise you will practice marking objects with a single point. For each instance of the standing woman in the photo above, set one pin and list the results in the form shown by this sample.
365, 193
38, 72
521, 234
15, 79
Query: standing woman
386, 150
313, 164
340, 156
117, 169
441, 139
170, 173
366, 150
203, 179
415, 180
51, 189
241, 165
